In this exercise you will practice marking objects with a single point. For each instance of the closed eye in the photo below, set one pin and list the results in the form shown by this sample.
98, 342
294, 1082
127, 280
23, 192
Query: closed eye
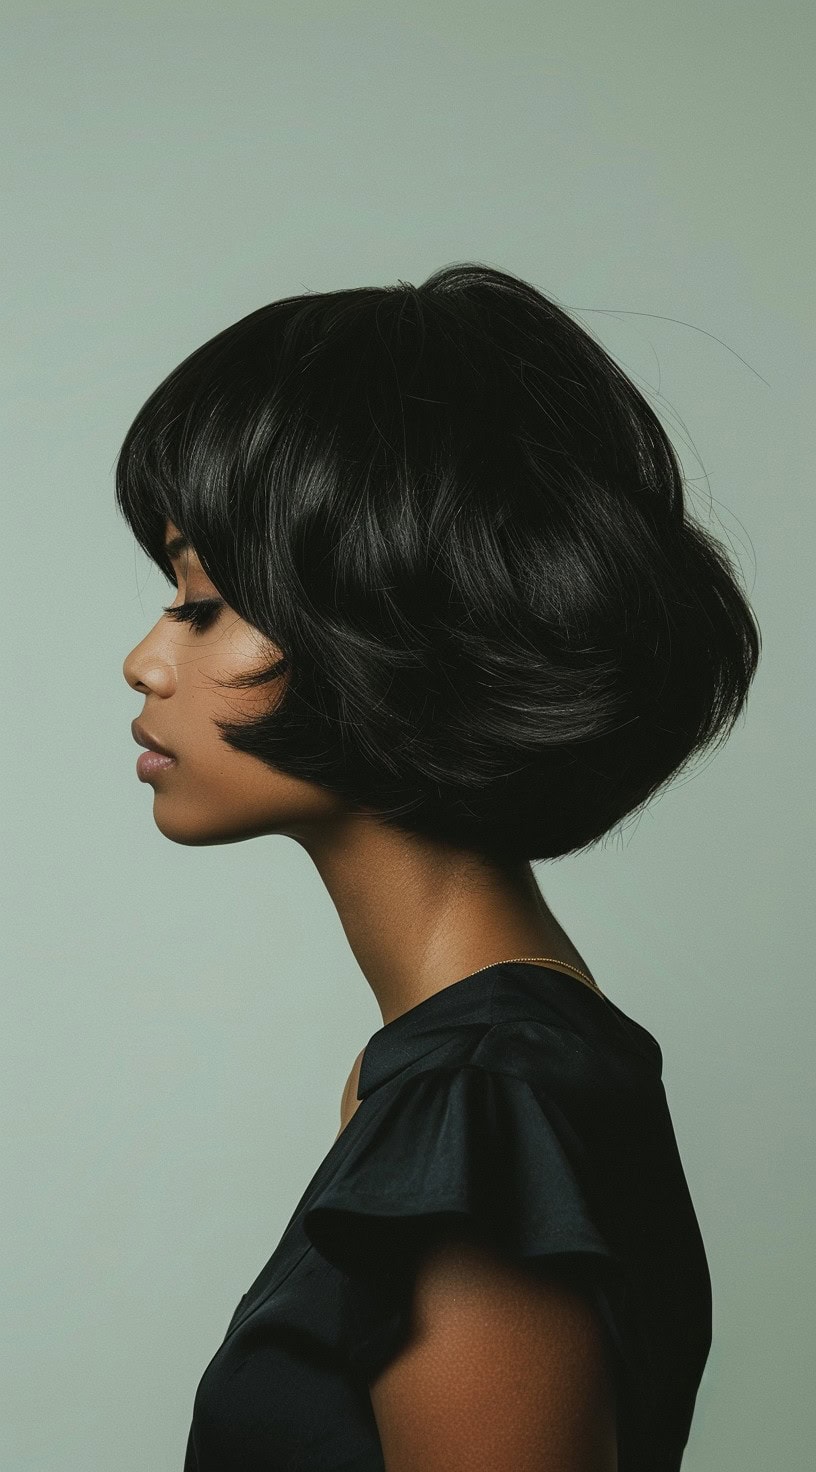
201, 613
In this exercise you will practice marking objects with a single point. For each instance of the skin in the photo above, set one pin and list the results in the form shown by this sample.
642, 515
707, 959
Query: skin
417, 917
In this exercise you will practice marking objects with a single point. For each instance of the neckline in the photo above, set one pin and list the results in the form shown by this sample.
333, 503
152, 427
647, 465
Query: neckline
487, 972
469, 999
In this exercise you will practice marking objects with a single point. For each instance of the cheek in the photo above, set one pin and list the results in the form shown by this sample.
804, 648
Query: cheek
237, 651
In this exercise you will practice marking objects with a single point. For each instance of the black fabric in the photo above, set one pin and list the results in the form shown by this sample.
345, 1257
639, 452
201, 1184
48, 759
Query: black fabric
516, 1104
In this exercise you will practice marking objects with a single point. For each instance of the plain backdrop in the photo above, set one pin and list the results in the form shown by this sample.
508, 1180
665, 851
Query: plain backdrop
178, 1023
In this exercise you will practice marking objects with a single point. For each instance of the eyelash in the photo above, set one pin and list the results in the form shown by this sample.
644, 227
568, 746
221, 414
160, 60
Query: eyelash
201, 613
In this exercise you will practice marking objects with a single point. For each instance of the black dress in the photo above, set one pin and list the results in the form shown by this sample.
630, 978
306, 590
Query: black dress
519, 1103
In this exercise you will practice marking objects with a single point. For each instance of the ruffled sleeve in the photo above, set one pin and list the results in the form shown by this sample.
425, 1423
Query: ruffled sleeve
469, 1148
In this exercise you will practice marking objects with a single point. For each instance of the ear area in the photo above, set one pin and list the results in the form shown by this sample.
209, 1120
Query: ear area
505, 1368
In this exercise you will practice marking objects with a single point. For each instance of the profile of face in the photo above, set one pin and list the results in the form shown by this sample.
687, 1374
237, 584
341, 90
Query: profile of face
211, 793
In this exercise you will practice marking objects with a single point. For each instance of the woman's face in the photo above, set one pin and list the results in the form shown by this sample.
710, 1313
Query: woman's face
212, 793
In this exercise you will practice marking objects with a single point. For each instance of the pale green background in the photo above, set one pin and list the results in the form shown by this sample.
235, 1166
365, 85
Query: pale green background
178, 1023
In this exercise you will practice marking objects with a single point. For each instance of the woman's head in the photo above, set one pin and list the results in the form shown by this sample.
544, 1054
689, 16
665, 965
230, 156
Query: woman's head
462, 590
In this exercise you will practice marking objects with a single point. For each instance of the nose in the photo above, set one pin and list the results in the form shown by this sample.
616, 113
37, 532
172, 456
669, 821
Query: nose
145, 670
129, 670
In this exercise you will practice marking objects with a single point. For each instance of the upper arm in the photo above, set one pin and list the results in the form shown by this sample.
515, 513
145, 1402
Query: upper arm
505, 1369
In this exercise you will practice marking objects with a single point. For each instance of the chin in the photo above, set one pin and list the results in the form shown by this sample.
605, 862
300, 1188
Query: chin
201, 829
194, 831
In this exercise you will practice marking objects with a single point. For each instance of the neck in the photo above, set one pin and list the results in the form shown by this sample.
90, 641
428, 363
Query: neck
418, 917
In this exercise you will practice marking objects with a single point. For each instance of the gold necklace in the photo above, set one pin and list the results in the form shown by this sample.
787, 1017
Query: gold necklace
581, 974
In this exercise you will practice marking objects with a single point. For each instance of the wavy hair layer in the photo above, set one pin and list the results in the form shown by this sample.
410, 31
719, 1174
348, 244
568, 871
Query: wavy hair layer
464, 529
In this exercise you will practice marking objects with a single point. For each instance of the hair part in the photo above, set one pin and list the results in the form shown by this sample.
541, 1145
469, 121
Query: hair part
464, 529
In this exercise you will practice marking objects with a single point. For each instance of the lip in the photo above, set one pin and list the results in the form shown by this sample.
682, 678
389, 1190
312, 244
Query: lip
143, 738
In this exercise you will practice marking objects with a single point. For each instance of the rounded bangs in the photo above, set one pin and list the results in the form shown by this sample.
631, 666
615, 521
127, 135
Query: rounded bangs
463, 528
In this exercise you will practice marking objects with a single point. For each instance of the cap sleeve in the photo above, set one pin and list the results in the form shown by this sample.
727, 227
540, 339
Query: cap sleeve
470, 1148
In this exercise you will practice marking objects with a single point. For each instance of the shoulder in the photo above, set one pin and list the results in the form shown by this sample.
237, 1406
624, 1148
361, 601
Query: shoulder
505, 1366
349, 1101
354, 1077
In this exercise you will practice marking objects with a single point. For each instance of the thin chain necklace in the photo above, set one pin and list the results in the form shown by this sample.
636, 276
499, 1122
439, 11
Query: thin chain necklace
581, 974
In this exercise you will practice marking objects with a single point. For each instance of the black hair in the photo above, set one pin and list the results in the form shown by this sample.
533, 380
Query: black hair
464, 529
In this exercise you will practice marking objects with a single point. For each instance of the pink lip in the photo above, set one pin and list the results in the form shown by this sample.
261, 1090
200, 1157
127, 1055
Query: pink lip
150, 763
144, 738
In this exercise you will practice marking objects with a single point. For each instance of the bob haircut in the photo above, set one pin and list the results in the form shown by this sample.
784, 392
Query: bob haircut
464, 529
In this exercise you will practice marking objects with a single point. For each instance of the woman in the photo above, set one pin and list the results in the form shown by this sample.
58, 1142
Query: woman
438, 541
